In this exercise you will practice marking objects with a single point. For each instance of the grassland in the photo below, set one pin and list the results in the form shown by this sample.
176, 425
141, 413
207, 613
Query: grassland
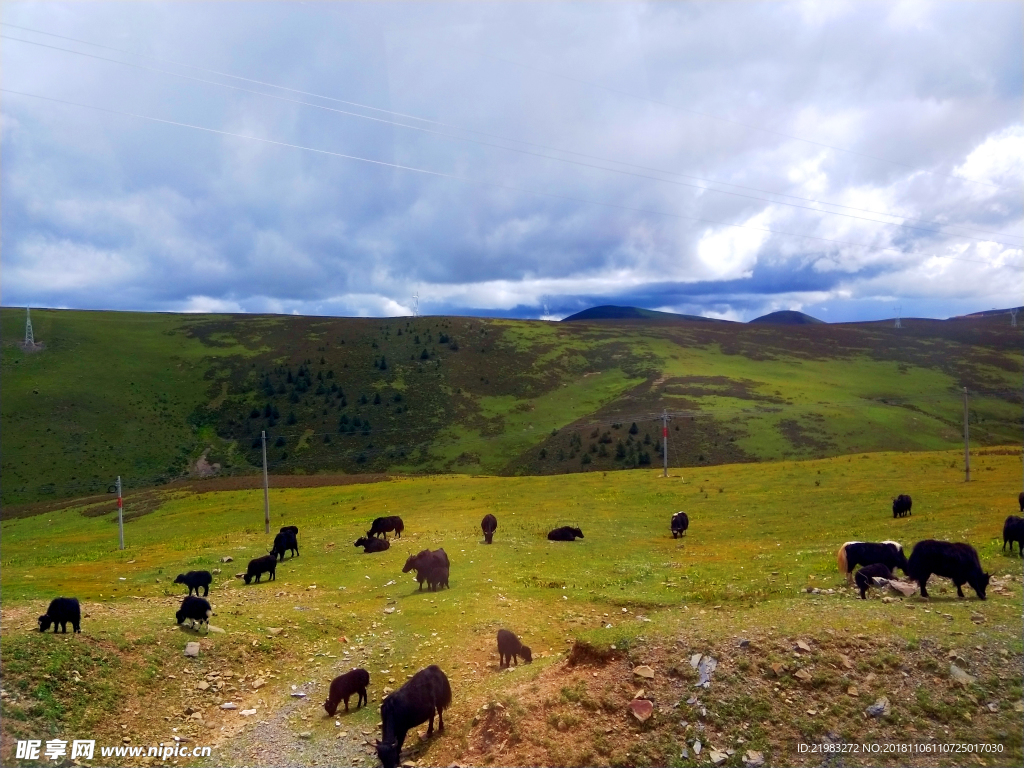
627, 594
147, 395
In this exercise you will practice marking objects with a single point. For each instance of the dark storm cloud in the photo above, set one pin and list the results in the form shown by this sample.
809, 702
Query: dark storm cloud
104, 210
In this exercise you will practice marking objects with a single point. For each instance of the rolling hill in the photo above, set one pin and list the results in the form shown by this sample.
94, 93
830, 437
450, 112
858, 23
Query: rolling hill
156, 397
787, 317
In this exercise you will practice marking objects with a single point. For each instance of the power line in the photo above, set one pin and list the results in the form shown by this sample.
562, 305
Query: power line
513, 149
464, 179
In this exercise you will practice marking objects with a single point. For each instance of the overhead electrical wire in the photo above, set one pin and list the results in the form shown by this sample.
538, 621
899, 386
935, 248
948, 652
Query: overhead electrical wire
513, 149
497, 185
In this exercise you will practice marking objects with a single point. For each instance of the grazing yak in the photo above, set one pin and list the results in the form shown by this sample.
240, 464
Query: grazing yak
680, 522
431, 567
955, 561
426, 693
384, 525
509, 649
260, 565
901, 505
195, 580
1013, 530
195, 609
285, 541
565, 533
342, 688
372, 545
854, 553
290, 529
61, 611
489, 525
865, 577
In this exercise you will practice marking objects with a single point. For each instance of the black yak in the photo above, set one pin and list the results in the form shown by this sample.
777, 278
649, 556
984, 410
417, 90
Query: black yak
489, 525
61, 611
866, 575
958, 562
195, 609
1013, 530
285, 541
565, 533
290, 529
372, 545
680, 522
260, 565
383, 525
427, 693
195, 580
509, 649
901, 505
854, 553
342, 688
427, 563
1020, 500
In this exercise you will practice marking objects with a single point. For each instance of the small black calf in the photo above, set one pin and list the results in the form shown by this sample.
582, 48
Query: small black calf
509, 649
489, 526
342, 688
195, 580
195, 609
680, 522
260, 565
61, 611
865, 576
1013, 530
565, 533
372, 545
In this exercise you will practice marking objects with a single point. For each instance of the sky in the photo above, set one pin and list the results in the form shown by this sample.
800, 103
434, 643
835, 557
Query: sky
849, 160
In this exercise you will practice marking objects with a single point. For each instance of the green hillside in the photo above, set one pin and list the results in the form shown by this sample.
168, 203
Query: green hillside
146, 395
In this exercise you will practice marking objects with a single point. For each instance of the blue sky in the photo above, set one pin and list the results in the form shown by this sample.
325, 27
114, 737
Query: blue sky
526, 159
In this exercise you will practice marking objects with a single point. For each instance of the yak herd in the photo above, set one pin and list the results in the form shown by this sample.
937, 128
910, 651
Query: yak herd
428, 692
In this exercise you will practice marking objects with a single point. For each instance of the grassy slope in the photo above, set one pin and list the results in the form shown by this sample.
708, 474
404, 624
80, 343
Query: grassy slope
758, 534
144, 395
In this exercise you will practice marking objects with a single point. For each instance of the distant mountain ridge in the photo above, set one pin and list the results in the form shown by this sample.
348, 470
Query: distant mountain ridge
787, 317
612, 312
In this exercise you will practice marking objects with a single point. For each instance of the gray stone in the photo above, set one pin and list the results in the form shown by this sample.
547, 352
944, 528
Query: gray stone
192, 649
959, 675
306, 735
879, 708
753, 759
227, 559
744, 643
229, 705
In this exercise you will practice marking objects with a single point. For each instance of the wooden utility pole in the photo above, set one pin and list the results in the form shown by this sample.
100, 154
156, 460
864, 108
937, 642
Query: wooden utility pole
967, 443
120, 516
266, 486
664, 442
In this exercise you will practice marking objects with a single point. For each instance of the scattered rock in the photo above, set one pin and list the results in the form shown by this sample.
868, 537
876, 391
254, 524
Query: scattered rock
695, 660
906, 589
744, 643
389, 609
685, 753
196, 716
977, 618
202, 686
644, 671
879, 708
706, 666
696, 747
275, 631
192, 649
298, 695
227, 559
215, 630
852, 691
642, 709
215, 571
803, 646
753, 759
258, 683
240, 574
777, 668
306, 735
993, 706
717, 758
846, 661
229, 705
803, 674
1019, 706
247, 712
959, 675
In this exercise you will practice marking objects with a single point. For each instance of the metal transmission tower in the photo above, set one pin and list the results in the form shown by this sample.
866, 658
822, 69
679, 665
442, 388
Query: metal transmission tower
30, 338
899, 311
1013, 317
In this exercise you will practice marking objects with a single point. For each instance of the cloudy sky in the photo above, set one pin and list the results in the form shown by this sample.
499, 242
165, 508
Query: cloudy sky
522, 160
